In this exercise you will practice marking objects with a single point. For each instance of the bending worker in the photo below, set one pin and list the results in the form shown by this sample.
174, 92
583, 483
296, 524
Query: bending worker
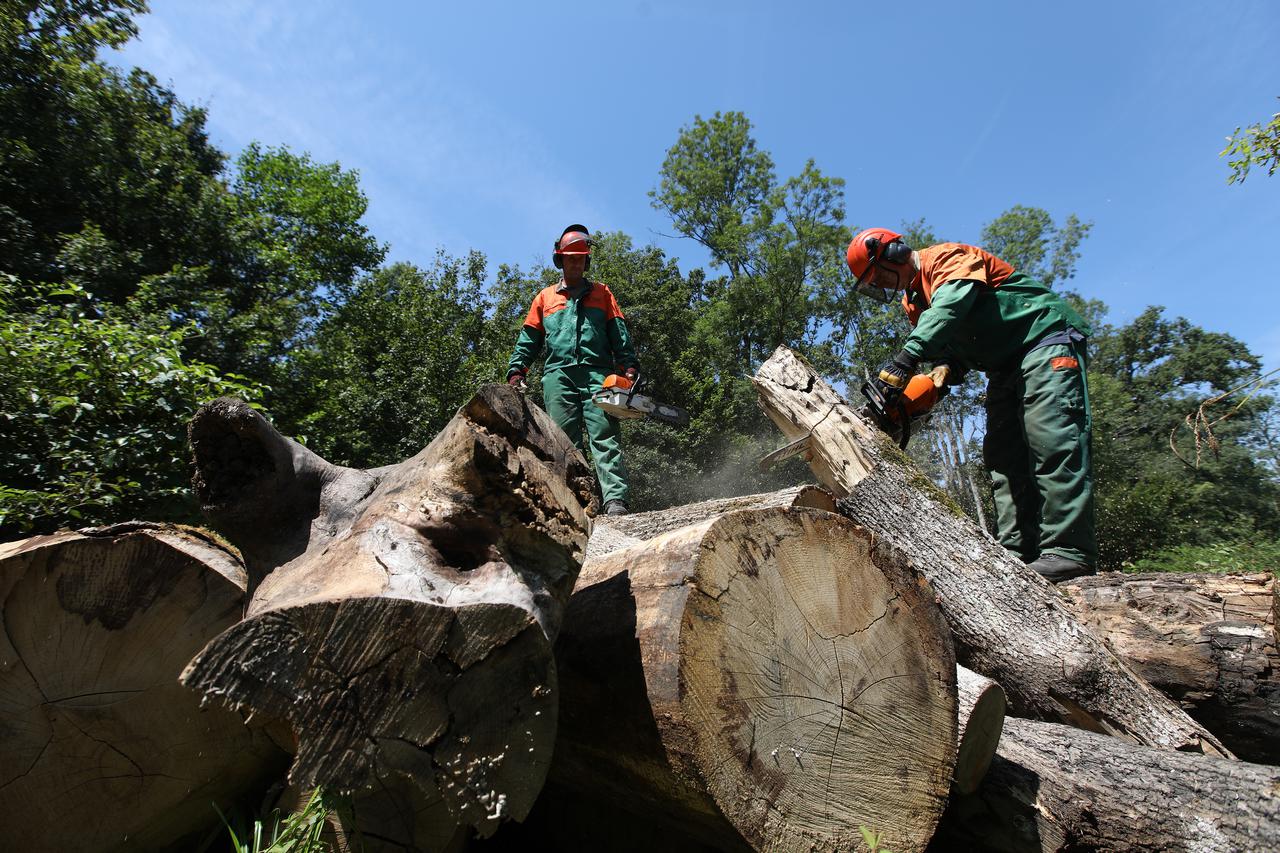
587, 339
971, 309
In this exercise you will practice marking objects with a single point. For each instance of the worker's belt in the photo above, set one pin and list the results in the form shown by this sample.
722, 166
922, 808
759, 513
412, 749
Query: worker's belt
1069, 335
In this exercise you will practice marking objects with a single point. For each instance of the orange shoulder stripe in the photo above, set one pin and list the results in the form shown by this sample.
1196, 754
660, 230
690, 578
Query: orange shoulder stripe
602, 297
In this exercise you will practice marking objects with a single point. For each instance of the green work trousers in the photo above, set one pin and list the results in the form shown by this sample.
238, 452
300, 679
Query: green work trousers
567, 391
1037, 450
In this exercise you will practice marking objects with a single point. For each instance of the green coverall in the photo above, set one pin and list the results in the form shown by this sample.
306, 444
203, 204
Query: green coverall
1038, 421
586, 339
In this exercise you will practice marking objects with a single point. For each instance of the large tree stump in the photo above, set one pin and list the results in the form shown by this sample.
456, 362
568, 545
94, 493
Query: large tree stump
1053, 788
1009, 623
410, 630
767, 679
100, 747
1207, 641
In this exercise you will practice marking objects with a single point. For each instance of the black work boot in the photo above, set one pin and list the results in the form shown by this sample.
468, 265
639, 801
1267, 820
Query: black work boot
616, 508
1055, 568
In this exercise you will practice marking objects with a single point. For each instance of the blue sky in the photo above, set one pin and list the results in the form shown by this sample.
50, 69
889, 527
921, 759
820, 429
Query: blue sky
492, 125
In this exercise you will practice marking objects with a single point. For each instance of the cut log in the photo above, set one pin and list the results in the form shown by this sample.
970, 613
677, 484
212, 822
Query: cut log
982, 706
765, 679
411, 632
1207, 641
614, 532
1053, 788
1009, 623
100, 747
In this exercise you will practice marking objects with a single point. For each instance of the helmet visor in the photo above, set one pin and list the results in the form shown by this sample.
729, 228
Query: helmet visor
879, 294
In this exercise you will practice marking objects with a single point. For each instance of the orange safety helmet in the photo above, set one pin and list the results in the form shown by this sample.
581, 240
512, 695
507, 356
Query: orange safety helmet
574, 240
867, 250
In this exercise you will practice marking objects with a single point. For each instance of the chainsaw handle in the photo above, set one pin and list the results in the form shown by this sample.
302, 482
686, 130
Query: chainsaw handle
635, 386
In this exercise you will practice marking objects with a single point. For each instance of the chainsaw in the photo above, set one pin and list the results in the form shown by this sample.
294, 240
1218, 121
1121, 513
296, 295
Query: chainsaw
621, 398
898, 418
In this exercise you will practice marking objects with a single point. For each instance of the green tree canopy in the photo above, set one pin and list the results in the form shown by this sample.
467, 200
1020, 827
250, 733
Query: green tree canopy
1145, 379
780, 242
1027, 238
94, 413
1256, 145
393, 363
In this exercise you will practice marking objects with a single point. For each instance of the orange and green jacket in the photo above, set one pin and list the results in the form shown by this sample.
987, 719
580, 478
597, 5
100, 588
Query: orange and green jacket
967, 304
585, 328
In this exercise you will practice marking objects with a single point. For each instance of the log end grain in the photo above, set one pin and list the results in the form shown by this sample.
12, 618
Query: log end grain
100, 746
817, 687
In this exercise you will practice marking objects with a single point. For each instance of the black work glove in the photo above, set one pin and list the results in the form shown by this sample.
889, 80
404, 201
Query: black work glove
516, 379
894, 376
631, 373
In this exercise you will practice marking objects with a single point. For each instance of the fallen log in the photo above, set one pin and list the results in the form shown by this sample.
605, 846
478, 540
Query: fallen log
1008, 623
615, 532
762, 679
982, 706
409, 631
1054, 788
1207, 641
102, 748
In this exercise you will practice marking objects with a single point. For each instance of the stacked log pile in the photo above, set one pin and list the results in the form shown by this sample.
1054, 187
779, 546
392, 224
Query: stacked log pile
100, 746
451, 642
1206, 641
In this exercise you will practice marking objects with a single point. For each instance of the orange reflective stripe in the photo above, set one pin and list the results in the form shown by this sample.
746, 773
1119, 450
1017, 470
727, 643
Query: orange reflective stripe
545, 303
1064, 362
601, 297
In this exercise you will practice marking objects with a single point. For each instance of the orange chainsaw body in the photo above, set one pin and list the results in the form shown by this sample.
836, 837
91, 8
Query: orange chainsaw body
919, 396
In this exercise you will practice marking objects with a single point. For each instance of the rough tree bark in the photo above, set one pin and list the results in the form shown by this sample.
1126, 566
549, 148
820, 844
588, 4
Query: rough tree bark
100, 747
1208, 641
1009, 624
763, 679
407, 627
1054, 788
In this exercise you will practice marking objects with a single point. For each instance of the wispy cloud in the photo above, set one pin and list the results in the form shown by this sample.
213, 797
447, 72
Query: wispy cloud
427, 143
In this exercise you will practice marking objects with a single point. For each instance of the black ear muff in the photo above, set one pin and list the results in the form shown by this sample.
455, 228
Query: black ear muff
873, 249
897, 252
555, 256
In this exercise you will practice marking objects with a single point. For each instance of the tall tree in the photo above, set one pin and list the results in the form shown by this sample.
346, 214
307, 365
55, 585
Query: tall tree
1028, 238
295, 246
718, 189
1146, 378
104, 177
393, 363
780, 243
95, 412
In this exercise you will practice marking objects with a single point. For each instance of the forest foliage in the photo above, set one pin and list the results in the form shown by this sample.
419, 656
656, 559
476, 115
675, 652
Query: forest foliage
144, 271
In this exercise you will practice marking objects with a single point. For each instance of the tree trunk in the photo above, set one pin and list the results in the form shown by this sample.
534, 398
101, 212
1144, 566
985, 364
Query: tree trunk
101, 747
1009, 624
614, 532
982, 706
1208, 641
410, 630
768, 678
1054, 788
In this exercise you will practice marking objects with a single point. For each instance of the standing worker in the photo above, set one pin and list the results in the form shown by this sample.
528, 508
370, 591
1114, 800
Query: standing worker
587, 339
970, 309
